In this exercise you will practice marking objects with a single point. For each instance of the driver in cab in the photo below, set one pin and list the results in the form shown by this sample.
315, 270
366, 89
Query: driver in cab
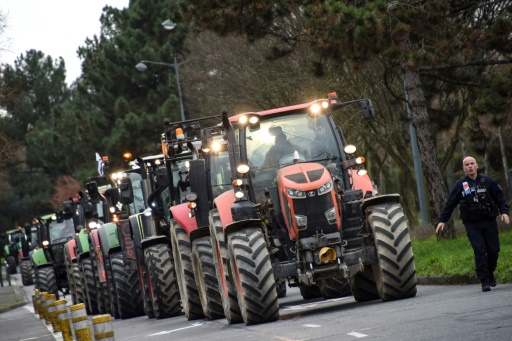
281, 147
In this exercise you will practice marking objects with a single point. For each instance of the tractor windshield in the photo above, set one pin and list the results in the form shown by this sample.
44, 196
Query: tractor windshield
61, 231
220, 173
181, 181
278, 140
138, 199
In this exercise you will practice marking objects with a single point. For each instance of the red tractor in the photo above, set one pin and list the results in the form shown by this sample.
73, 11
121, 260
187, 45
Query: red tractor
303, 210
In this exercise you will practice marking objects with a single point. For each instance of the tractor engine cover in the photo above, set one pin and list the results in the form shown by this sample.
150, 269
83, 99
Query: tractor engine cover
308, 200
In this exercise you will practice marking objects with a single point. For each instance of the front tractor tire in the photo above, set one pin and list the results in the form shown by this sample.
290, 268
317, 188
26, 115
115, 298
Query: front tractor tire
253, 276
363, 285
128, 290
206, 278
182, 254
222, 270
166, 295
46, 280
11, 264
26, 272
395, 273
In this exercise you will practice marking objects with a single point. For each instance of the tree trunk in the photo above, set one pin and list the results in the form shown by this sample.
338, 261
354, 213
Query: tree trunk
505, 162
438, 192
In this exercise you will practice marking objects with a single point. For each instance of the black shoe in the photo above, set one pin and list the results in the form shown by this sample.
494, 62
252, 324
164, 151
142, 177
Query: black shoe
492, 280
485, 285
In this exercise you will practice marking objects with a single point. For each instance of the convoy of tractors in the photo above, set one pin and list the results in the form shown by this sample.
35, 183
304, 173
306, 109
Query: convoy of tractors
231, 213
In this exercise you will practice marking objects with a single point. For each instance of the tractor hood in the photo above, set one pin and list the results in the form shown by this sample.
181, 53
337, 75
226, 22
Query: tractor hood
303, 176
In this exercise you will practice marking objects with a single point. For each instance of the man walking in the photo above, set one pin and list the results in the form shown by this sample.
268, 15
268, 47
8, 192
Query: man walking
481, 200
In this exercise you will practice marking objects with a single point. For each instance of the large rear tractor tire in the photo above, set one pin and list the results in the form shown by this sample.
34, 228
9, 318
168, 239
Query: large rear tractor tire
206, 278
114, 310
46, 280
166, 295
128, 290
90, 287
395, 273
26, 272
222, 270
182, 254
253, 275
334, 287
310, 292
79, 289
11, 264
363, 285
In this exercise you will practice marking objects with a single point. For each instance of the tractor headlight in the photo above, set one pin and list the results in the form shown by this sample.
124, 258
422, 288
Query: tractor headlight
242, 168
296, 193
331, 216
93, 225
325, 188
302, 221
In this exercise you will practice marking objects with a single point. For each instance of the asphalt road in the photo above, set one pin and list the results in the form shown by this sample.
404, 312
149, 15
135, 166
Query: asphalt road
436, 313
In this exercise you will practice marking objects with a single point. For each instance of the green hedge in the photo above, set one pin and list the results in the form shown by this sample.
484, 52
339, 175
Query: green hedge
449, 257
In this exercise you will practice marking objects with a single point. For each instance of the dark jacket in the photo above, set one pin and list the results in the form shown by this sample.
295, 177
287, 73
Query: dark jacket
459, 193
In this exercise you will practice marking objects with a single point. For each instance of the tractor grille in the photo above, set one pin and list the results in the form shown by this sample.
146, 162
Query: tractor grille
314, 209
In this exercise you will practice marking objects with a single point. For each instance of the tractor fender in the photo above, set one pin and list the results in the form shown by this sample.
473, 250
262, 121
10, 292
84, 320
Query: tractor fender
98, 254
109, 239
147, 242
362, 182
71, 249
223, 204
39, 258
82, 243
380, 199
180, 214
240, 225
6, 251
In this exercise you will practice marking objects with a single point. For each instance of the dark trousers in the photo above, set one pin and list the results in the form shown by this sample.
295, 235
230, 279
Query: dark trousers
484, 239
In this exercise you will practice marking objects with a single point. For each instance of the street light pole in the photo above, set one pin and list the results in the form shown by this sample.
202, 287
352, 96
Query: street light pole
142, 67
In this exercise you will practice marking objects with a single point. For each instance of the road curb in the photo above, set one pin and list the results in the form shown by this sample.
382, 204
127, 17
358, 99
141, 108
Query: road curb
447, 280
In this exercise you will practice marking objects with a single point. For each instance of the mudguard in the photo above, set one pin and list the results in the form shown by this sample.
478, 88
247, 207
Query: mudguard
83, 244
96, 248
180, 214
6, 251
71, 249
109, 239
223, 204
363, 182
380, 199
39, 258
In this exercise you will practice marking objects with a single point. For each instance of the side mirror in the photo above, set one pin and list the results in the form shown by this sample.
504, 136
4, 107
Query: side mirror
126, 190
92, 189
367, 108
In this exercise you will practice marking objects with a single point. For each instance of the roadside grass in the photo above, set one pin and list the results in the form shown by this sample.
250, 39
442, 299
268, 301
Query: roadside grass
451, 257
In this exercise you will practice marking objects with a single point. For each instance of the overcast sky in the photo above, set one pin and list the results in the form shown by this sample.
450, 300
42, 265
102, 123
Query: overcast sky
55, 27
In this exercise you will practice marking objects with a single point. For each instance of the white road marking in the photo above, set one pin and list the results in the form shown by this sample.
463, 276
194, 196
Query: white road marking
311, 325
175, 330
57, 336
312, 305
356, 334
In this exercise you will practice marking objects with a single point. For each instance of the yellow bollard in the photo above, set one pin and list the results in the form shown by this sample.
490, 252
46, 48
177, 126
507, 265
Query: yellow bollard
49, 299
40, 302
51, 308
34, 303
80, 322
65, 325
103, 328
59, 306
